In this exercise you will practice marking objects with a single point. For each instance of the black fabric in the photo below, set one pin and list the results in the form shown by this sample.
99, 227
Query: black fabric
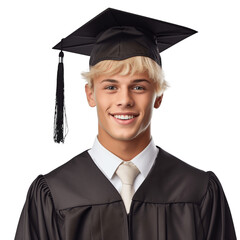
175, 202
119, 43
131, 35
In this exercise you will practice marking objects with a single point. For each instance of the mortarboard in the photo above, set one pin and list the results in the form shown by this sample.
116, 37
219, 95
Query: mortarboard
114, 35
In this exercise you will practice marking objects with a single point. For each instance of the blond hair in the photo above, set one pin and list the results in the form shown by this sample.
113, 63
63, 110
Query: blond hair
129, 66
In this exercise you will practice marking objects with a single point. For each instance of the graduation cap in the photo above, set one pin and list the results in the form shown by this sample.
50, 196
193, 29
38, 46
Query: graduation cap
114, 35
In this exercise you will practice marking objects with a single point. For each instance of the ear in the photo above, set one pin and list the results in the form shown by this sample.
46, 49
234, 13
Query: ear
90, 95
158, 101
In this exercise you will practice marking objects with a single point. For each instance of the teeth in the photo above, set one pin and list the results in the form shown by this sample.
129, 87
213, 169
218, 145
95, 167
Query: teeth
125, 117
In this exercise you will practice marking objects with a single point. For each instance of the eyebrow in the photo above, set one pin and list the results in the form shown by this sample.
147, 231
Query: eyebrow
116, 81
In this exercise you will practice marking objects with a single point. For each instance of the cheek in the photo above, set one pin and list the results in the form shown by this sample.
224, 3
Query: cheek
102, 104
148, 113
147, 107
148, 103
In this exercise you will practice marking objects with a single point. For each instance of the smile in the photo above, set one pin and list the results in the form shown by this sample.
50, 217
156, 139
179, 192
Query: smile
124, 117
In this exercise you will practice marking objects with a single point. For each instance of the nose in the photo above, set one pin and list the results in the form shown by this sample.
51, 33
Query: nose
124, 98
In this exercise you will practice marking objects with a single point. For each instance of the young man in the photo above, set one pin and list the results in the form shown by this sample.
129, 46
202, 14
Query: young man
125, 187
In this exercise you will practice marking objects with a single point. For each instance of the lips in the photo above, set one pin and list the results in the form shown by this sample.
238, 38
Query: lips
124, 116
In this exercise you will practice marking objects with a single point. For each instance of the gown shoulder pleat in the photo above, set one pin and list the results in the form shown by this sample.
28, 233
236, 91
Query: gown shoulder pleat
215, 212
38, 219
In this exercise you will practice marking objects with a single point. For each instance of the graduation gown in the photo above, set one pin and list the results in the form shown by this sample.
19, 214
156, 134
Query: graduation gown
77, 202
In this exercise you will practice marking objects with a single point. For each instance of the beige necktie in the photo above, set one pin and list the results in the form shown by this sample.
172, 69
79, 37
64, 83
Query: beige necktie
127, 172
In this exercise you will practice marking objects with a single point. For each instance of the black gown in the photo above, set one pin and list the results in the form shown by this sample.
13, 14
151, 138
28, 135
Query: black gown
77, 202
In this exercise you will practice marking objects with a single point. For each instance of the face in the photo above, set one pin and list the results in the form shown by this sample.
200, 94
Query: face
124, 105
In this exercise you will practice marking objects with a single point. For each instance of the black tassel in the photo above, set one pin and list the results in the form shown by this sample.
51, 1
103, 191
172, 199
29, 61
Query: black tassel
60, 120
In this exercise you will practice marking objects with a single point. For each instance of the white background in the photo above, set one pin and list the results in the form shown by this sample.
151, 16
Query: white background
199, 120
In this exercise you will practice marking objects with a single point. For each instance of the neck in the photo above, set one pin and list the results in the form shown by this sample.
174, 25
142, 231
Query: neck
125, 149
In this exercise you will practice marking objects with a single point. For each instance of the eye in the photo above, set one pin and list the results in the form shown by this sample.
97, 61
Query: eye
110, 87
138, 88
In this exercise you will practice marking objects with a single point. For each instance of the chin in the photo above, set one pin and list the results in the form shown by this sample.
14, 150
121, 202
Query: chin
124, 137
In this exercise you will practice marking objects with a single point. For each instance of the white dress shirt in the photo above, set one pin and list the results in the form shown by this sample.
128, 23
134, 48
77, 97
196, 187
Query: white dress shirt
107, 162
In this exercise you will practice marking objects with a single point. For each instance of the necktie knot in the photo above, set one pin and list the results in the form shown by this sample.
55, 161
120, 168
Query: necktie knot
127, 172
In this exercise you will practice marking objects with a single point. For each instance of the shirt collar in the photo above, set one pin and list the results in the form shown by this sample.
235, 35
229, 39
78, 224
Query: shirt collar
108, 162
145, 159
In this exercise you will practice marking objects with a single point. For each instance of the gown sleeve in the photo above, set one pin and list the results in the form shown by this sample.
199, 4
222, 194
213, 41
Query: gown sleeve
215, 213
38, 219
